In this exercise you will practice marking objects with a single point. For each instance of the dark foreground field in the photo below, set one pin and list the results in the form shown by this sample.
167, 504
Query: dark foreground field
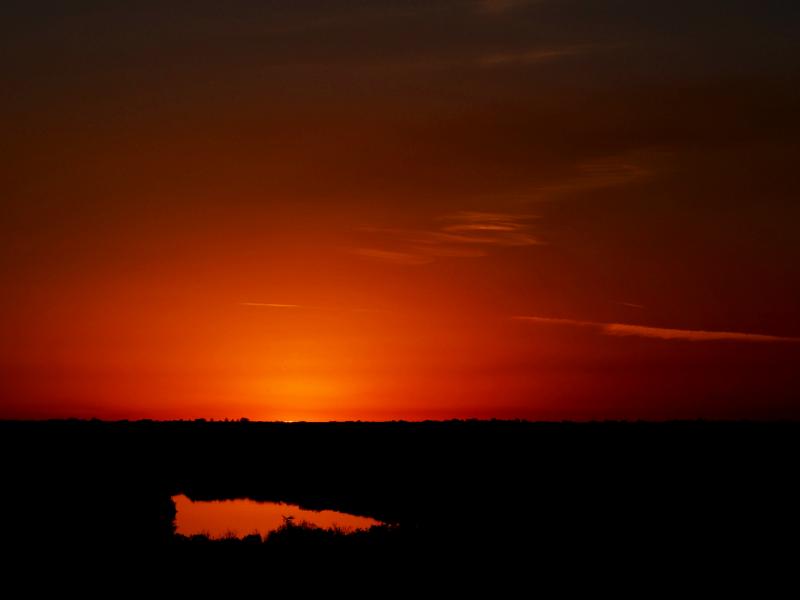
612, 495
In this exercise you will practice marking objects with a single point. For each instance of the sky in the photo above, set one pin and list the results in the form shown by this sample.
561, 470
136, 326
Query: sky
316, 210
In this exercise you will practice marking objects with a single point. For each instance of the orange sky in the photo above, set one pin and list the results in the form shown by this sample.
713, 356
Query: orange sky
400, 211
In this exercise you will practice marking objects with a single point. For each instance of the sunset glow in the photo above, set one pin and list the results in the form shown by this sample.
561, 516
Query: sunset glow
378, 211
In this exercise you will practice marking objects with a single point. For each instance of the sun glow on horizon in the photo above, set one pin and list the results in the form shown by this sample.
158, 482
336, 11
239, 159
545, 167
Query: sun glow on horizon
341, 212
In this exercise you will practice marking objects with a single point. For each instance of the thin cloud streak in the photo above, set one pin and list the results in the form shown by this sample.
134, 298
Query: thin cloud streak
501, 6
465, 234
307, 307
270, 305
390, 256
661, 333
632, 305
528, 57
485, 228
603, 173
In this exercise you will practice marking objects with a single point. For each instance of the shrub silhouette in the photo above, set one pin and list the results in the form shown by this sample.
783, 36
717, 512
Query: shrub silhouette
717, 488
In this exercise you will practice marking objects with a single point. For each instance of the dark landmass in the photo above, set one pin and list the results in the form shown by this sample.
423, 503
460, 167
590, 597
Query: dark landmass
612, 494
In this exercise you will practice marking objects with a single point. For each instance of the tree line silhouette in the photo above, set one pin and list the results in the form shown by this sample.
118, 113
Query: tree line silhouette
610, 492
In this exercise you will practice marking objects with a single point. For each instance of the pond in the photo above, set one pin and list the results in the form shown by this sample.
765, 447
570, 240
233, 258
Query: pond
241, 517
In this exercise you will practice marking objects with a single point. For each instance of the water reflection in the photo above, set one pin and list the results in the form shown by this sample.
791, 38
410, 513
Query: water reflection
242, 517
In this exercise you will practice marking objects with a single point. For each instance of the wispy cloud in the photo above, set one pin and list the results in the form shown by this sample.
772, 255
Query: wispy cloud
470, 234
270, 305
598, 174
661, 333
492, 228
631, 305
309, 307
528, 57
398, 258
554, 321
693, 335
501, 6
465, 234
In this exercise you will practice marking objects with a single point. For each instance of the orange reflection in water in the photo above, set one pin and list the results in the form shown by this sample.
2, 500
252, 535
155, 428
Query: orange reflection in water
242, 517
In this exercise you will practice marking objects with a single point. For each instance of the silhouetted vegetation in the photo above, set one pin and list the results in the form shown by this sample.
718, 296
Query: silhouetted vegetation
617, 493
